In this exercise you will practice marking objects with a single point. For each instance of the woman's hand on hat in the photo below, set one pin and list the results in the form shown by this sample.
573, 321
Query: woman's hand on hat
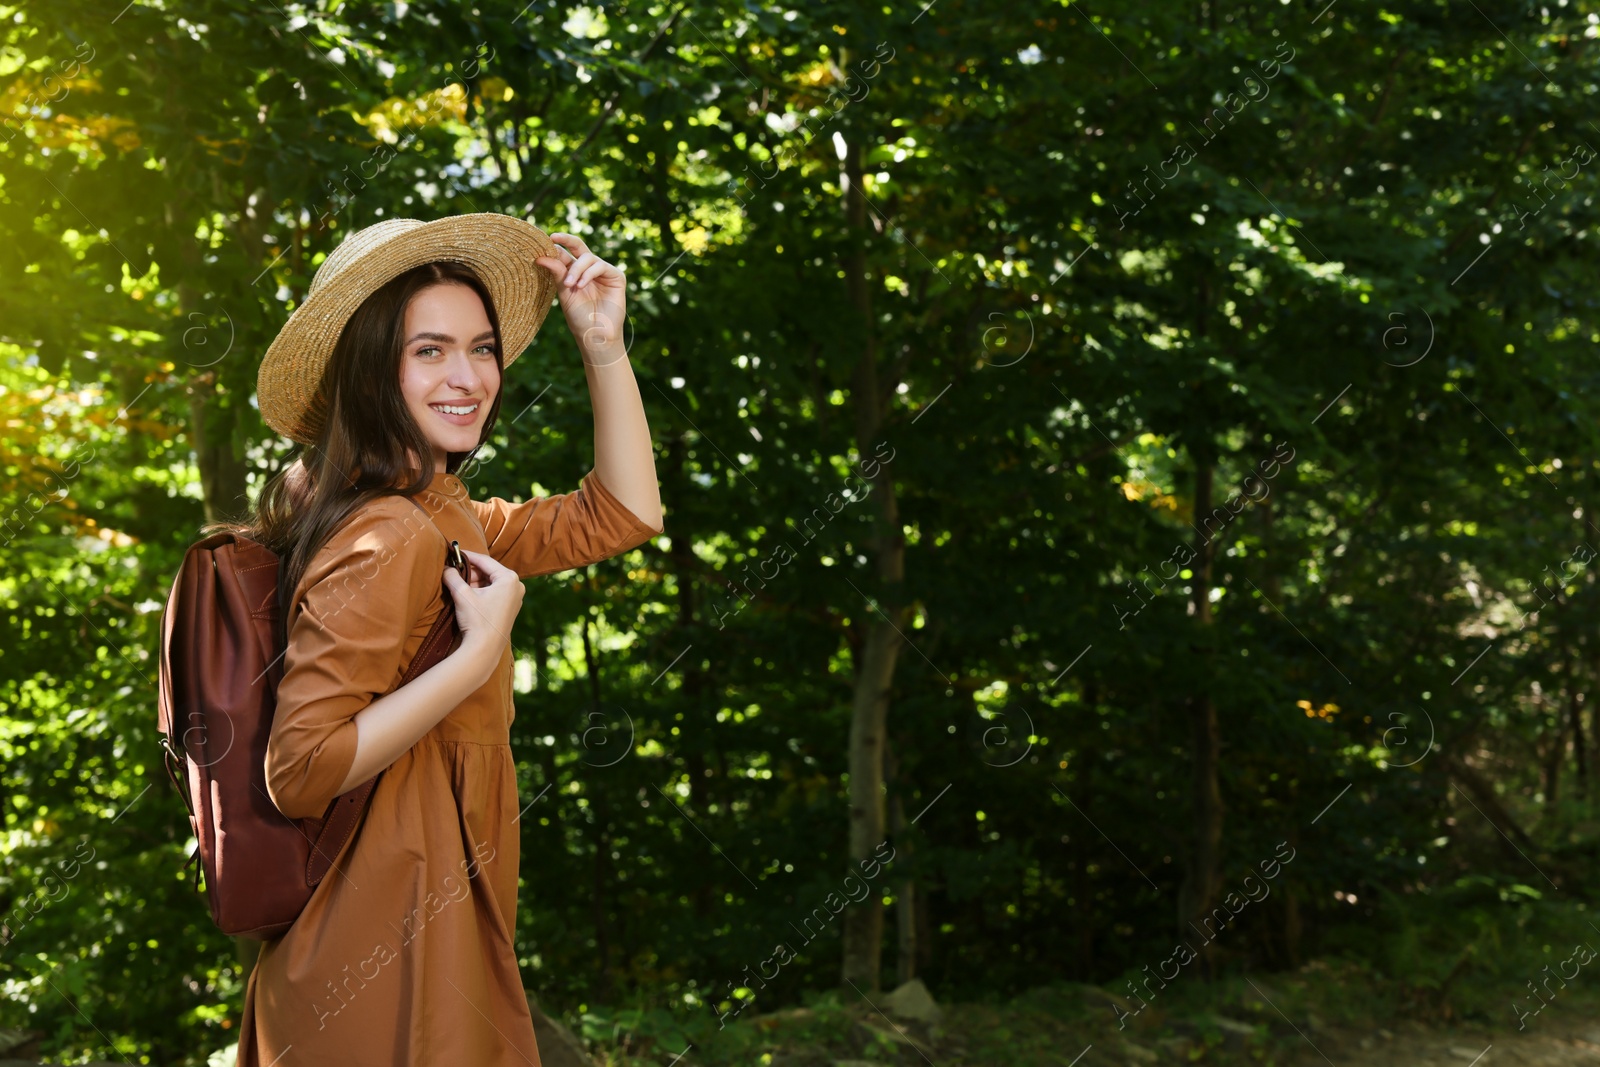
593, 295
486, 612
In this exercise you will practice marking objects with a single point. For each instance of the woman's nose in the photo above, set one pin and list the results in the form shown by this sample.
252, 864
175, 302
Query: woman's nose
463, 374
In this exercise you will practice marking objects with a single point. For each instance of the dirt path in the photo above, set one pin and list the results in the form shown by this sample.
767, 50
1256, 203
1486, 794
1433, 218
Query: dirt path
1243, 1028
1552, 1044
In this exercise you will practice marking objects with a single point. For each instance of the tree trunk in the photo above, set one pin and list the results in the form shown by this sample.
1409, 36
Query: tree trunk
1082, 880
880, 649
863, 925
590, 665
676, 486
1580, 744
1550, 773
1511, 834
1594, 705
600, 901
223, 481
1291, 926
906, 917
1205, 735
905, 909
222, 474
1083, 888
1271, 579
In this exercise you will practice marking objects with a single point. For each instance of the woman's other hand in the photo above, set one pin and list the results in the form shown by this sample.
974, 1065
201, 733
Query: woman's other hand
593, 296
487, 609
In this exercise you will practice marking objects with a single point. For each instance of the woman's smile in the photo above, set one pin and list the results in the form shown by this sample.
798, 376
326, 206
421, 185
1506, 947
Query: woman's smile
459, 413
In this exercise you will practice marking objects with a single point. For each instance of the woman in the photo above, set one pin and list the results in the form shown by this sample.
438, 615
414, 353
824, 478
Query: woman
390, 374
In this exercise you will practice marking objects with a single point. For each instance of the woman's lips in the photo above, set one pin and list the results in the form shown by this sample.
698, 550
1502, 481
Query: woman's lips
455, 417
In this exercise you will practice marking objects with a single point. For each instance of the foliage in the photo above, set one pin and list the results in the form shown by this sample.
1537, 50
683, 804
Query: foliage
1359, 299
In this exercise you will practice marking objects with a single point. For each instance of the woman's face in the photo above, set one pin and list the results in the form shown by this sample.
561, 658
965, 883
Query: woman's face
448, 372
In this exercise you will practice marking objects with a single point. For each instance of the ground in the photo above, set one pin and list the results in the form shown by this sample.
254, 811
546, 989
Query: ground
1325, 1015
1321, 1017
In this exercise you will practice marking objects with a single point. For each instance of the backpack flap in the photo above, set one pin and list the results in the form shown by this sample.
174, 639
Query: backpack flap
220, 673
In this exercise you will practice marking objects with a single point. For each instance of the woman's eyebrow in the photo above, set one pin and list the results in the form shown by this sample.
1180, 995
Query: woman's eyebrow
486, 335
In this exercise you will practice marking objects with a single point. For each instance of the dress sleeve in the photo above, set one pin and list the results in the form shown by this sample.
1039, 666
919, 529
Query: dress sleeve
556, 533
377, 581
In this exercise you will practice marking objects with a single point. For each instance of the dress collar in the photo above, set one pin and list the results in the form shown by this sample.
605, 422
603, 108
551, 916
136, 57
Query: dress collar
444, 484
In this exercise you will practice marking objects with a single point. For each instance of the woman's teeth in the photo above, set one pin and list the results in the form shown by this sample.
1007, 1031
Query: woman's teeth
455, 409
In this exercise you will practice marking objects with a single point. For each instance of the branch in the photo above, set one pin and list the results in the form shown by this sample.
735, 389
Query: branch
609, 107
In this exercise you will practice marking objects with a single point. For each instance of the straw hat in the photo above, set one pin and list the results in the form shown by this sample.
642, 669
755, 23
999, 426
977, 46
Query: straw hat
500, 248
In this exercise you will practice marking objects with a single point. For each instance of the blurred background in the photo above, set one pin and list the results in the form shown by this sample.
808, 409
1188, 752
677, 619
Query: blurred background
1136, 463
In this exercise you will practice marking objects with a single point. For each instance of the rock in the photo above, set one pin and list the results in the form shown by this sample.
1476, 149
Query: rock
558, 1045
20, 1044
1233, 1026
1462, 1052
1177, 1046
805, 1055
913, 1001
1139, 1053
878, 1025
773, 1020
1103, 998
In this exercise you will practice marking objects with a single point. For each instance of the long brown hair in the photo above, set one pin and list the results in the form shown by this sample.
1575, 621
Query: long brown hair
364, 434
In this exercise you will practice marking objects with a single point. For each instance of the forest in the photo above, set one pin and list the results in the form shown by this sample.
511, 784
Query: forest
1130, 465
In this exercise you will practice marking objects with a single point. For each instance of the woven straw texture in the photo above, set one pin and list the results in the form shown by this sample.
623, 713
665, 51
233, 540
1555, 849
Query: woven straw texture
500, 248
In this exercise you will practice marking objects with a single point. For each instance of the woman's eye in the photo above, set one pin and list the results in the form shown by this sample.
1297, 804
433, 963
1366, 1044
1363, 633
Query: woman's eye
429, 351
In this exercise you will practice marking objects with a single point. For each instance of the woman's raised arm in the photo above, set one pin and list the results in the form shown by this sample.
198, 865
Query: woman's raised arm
594, 300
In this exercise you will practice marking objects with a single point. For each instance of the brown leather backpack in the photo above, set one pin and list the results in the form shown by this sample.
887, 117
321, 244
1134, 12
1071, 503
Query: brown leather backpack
220, 665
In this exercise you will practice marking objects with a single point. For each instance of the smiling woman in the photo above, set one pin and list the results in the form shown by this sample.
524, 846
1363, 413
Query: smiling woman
449, 376
391, 372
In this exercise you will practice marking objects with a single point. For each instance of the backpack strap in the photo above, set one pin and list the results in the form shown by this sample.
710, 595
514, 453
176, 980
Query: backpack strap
344, 814
429, 515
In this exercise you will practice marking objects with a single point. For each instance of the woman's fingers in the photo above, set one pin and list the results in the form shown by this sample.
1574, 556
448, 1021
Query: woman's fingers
562, 259
483, 559
574, 265
494, 604
591, 272
575, 272
459, 589
581, 261
570, 243
488, 565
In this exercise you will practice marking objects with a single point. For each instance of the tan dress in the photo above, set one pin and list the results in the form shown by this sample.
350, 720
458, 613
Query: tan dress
405, 954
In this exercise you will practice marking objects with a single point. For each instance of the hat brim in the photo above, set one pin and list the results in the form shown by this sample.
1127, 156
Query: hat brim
501, 249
